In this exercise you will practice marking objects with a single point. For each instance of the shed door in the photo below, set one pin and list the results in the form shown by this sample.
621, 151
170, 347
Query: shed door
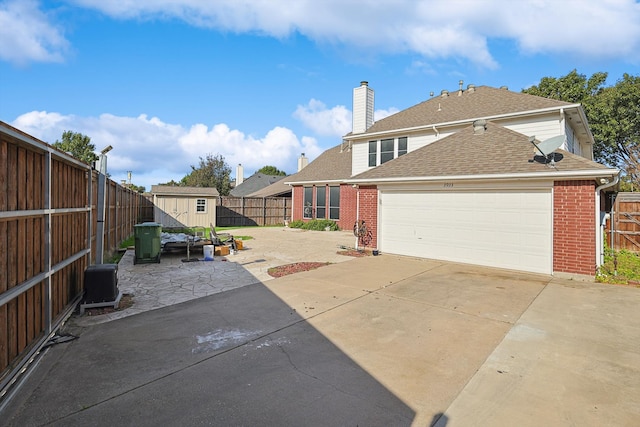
505, 229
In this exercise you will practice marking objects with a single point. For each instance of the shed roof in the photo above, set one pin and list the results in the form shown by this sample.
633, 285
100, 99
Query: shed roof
176, 190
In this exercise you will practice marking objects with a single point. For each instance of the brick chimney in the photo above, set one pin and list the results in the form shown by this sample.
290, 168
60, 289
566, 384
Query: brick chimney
362, 108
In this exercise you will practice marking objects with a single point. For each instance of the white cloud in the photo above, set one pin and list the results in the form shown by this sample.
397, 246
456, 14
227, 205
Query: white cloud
336, 121
331, 122
158, 152
434, 29
26, 35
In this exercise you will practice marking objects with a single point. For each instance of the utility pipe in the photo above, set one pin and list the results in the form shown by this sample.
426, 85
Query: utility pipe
599, 245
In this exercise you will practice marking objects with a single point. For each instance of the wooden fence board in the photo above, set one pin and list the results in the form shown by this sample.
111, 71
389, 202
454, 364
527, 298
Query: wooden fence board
626, 223
23, 242
247, 211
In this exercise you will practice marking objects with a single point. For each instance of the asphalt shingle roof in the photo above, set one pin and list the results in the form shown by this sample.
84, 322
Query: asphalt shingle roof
481, 102
254, 183
497, 150
333, 164
277, 189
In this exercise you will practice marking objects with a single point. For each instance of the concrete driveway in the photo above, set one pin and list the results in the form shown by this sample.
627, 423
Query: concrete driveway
375, 341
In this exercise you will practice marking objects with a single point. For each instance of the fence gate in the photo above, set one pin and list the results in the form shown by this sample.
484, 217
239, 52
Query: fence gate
626, 222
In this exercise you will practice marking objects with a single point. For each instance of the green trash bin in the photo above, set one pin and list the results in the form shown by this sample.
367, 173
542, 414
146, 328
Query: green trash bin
147, 240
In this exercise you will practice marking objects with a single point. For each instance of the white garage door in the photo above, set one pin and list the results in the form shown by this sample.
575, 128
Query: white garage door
506, 229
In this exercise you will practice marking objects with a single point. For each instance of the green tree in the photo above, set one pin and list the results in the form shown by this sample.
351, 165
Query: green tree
613, 113
78, 145
138, 188
271, 170
213, 171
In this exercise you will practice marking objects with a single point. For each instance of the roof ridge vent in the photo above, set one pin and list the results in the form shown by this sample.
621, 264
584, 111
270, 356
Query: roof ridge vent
444, 93
479, 126
471, 88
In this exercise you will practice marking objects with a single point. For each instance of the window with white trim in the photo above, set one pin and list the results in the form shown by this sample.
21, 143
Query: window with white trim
334, 202
373, 153
321, 202
307, 211
402, 146
201, 205
386, 149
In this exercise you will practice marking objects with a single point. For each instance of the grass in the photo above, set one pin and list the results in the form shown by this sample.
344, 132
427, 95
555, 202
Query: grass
622, 267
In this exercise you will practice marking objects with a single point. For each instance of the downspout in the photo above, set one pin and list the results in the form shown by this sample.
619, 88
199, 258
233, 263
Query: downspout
599, 232
436, 131
357, 210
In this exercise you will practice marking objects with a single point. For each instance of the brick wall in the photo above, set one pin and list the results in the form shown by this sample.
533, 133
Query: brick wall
574, 227
348, 204
298, 198
369, 211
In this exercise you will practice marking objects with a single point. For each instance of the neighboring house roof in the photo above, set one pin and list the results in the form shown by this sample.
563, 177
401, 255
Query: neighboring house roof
175, 190
465, 154
255, 182
277, 189
332, 165
481, 102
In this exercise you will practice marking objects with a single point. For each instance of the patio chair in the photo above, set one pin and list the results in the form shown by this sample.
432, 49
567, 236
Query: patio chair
220, 239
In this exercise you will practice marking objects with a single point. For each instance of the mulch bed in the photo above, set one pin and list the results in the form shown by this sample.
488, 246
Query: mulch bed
354, 253
296, 267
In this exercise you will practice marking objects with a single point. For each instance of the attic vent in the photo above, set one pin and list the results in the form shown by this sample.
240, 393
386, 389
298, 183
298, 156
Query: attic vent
471, 88
444, 93
504, 87
479, 127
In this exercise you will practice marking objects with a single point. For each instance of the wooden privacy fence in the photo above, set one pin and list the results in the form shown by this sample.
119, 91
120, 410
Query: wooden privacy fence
48, 223
243, 211
626, 222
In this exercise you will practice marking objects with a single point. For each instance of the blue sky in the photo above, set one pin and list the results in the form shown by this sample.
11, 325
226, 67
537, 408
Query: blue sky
261, 81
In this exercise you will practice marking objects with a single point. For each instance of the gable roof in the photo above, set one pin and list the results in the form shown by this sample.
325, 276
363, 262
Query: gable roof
254, 183
332, 165
480, 102
176, 190
496, 152
277, 189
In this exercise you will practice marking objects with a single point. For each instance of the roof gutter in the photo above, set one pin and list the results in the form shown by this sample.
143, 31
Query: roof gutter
587, 174
332, 181
465, 121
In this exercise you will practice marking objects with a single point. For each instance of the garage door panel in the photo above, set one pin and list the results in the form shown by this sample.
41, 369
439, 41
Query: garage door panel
507, 229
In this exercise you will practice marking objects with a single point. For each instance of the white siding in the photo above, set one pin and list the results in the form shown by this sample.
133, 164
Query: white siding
359, 158
362, 108
541, 128
174, 211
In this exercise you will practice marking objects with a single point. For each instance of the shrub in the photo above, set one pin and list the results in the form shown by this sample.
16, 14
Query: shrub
315, 224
